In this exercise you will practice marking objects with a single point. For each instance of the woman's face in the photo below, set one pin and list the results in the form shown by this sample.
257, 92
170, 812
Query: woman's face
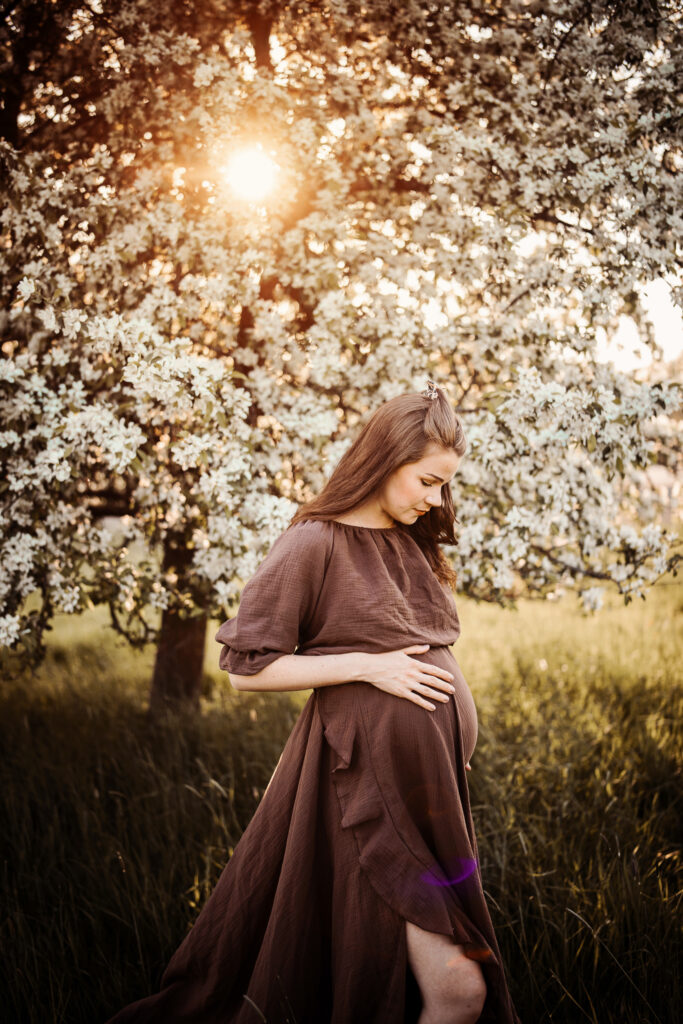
415, 487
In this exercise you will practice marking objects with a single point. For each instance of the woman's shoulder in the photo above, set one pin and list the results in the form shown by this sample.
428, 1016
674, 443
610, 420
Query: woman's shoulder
307, 536
321, 526
302, 550
304, 531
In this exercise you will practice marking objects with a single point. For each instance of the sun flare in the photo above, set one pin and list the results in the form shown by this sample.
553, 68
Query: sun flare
251, 173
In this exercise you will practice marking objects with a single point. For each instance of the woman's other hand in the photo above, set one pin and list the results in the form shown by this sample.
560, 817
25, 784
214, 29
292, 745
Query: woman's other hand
396, 672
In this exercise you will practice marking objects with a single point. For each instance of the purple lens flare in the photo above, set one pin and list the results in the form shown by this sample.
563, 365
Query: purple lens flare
458, 870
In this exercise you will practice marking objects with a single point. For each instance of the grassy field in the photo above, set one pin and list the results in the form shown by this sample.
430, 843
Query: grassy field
115, 829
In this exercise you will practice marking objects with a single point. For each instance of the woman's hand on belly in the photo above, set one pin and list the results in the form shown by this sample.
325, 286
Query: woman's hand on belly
396, 672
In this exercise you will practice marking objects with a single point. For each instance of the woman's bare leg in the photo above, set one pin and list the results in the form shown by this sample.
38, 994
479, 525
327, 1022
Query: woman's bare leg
452, 986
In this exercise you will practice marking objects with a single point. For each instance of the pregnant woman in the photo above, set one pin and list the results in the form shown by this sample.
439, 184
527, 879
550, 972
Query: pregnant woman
354, 896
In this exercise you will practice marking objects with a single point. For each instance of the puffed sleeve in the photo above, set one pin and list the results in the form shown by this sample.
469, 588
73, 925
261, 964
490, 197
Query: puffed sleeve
277, 602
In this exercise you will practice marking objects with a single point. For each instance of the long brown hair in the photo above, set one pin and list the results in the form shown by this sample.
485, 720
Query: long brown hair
398, 432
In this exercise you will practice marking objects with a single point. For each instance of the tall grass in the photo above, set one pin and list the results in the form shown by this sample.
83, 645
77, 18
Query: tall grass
116, 829
577, 799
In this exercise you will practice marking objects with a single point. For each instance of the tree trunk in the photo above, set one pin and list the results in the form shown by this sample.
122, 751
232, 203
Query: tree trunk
176, 683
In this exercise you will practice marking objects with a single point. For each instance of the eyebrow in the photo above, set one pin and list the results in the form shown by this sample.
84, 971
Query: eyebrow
440, 479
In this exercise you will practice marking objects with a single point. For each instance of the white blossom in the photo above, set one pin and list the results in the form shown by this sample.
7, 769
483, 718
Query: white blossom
200, 363
592, 598
10, 629
26, 288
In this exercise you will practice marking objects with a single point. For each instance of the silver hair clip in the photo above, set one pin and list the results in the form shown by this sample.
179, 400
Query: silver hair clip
430, 391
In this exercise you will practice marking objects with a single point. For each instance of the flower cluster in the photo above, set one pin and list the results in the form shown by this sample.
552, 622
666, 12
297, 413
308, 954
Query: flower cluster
191, 365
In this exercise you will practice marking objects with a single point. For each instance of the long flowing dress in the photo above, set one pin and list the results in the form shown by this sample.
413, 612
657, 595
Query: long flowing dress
365, 822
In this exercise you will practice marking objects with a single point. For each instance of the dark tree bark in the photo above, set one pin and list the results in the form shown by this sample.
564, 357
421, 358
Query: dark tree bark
176, 682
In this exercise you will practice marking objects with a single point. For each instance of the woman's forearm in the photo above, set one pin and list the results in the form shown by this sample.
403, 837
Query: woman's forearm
298, 672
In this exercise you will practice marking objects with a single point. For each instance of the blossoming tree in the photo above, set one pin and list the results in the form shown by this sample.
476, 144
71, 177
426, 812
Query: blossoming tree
471, 192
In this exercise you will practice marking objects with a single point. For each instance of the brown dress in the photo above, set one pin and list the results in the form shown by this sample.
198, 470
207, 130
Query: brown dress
366, 820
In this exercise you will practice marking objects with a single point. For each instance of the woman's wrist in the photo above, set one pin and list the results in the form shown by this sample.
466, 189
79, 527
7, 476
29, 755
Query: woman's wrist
357, 666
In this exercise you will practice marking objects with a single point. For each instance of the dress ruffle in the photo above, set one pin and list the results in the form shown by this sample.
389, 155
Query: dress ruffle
392, 850
307, 921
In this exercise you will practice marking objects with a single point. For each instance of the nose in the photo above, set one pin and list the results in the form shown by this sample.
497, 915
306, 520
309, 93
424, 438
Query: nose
434, 497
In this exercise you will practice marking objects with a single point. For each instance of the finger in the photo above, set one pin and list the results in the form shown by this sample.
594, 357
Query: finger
468, 767
416, 699
442, 673
442, 686
415, 647
435, 670
431, 693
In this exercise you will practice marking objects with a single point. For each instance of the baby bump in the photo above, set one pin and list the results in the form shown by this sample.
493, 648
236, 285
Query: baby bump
409, 727
463, 700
